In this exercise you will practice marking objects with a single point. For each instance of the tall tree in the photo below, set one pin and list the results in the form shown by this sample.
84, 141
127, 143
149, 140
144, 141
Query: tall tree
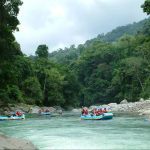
9, 10
146, 7
42, 51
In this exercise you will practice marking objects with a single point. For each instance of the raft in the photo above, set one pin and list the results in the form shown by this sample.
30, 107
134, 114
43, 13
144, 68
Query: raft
100, 117
12, 118
47, 113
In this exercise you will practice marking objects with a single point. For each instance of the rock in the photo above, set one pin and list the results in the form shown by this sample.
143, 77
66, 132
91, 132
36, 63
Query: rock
34, 109
110, 104
147, 101
93, 107
7, 142
146, 112
141, 100
76, 110
124, 102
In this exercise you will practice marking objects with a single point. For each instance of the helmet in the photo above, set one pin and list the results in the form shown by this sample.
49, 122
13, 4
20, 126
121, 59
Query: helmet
95, 108
98, 108
86, 109
92, 109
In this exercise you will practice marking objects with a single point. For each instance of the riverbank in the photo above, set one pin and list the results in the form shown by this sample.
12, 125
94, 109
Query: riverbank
7, 142
142, 107
24, 108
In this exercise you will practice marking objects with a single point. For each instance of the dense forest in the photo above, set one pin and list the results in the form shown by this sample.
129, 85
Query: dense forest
105, 69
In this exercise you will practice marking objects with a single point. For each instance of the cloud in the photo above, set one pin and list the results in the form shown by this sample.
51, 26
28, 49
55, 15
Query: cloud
61, 23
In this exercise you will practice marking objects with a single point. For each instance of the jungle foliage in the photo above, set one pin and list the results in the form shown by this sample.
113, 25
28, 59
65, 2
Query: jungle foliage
105, 69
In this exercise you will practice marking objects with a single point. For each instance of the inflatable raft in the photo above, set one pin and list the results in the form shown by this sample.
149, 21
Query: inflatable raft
12, 118
100, 117
47, 113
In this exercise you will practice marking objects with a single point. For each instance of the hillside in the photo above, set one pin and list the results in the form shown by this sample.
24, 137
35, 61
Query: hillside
111, 37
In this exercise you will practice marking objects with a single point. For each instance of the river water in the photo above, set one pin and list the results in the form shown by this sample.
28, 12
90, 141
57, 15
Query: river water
67, 131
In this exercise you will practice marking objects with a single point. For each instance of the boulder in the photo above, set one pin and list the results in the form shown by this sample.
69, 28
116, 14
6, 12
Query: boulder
124, 102
147, 101
146, 112
7, 142
111, 104
76, 110
141, 100
93, 107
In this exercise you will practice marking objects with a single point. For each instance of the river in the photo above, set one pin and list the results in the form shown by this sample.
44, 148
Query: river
67, 131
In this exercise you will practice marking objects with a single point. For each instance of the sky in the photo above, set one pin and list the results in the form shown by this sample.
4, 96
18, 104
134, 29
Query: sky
62, 23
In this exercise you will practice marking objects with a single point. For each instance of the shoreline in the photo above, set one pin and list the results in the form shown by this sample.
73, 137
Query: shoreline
142, 107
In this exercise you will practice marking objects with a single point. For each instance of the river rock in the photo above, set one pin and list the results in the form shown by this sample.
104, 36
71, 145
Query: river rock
111, 104
7, 143
147, 101
141, 100
146, 112
124, 102
93, 107
76, 110
34, 109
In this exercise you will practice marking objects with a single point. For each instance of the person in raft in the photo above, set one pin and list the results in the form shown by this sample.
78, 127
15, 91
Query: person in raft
14, 114
40, 111
96, 112
9, 115
100, 111
104, 111
82, 111
86, 112
60, 112
92, 112
19, 114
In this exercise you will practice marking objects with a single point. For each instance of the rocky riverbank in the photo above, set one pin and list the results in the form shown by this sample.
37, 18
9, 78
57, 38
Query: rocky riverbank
24, 108
142, 107
13, 143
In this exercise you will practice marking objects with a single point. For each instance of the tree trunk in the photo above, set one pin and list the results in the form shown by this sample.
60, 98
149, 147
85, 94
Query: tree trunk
139, 79
45, 82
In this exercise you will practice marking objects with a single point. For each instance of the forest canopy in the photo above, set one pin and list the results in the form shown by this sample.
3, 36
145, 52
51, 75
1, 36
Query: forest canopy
108, 68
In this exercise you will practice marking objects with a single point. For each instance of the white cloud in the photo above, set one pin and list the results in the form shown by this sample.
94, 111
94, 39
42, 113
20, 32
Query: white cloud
61, 23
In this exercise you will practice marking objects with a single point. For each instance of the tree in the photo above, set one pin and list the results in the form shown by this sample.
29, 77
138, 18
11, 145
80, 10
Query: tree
9, 10
146, 7
42, 51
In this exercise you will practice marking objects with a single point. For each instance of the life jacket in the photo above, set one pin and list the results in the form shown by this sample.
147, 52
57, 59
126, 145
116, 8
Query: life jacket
19, 114
104, 111
86, 112
39, 111
96, 112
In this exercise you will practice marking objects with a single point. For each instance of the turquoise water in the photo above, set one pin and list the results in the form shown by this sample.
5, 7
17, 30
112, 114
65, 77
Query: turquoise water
124, 131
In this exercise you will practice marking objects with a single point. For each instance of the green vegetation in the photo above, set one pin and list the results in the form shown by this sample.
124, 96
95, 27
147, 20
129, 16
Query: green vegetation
105, 69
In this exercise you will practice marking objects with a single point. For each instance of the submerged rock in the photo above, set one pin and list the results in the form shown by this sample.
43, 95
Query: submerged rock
7, 142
